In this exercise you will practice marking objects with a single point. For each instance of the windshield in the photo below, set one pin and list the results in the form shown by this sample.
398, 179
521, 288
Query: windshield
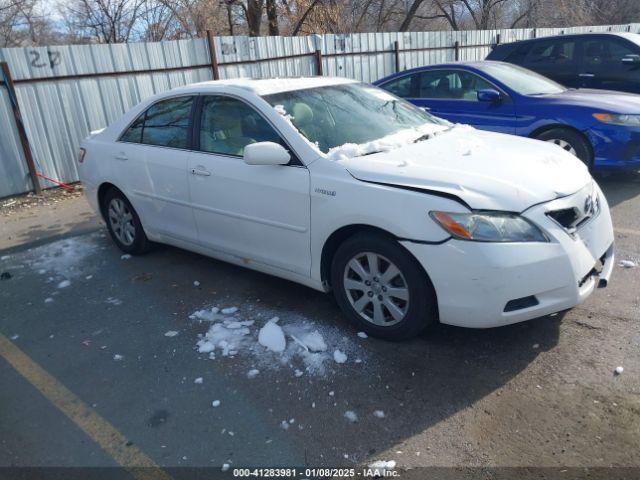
353, 113
523, 81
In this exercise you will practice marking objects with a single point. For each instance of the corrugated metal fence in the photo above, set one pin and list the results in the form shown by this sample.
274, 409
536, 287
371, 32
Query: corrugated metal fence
64, 92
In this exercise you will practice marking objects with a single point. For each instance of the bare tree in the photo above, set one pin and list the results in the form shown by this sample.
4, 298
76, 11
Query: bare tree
104, 21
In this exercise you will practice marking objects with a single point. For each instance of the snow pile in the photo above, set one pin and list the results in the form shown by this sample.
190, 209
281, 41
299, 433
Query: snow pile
339, 356
627, 264
228, 336
378, 413
314, 342
351, 416
271, 336
384, 144
292, 342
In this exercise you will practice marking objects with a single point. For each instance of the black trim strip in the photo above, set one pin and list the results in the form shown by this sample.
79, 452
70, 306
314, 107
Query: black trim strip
424, 242
435, 193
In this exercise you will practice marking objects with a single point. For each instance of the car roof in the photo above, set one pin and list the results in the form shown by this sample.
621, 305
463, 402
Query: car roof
472, 64
634, 37
262, 86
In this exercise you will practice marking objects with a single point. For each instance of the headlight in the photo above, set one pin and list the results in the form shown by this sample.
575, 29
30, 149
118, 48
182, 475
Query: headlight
489, 227
618, 119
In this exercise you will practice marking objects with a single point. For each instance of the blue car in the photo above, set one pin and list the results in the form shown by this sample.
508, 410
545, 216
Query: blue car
600, 127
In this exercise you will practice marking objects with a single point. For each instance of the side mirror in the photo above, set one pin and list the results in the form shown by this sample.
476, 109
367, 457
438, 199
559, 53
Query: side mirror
489, 95
266, 153
631, 59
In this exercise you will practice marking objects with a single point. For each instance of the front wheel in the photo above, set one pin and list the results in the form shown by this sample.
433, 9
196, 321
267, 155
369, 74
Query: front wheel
570, 141
381, 287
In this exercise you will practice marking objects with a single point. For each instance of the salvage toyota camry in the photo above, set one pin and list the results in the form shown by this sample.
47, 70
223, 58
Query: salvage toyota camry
341, 186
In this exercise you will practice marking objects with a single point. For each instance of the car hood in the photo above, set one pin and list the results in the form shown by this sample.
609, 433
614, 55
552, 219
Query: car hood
487, 171
617, 102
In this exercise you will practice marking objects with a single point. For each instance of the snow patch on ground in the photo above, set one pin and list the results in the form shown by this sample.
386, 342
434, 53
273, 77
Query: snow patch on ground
628, 264
287, 341
351, 416
63, 258
171, 333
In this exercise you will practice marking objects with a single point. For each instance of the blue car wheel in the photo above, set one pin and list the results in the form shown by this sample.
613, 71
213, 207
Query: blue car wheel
571, 141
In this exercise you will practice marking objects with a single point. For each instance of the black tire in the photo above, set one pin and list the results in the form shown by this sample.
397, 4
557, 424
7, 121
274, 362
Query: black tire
421, 308
140, 244
574, 139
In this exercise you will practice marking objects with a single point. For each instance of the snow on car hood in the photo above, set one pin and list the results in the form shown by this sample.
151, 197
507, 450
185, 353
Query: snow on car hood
486, 170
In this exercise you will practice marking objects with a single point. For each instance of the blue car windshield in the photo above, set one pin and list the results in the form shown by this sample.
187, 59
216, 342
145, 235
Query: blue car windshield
523, 81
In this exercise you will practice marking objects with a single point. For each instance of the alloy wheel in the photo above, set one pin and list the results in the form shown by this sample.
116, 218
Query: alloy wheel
376, 289
564, 145
121, 221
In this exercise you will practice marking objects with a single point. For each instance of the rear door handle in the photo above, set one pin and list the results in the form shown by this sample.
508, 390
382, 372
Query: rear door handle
121, 156
200, 171
586, 75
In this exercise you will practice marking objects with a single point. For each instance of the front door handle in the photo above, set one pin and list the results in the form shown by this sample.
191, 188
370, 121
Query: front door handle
586, 75
200, 171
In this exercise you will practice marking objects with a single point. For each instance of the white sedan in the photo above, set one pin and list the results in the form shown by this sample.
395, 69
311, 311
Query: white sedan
340, 186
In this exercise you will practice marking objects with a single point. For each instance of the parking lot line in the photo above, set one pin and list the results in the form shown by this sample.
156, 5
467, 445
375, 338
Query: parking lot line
114, 443
628, 231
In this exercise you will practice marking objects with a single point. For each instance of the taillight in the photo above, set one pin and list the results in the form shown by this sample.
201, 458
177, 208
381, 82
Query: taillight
81, 155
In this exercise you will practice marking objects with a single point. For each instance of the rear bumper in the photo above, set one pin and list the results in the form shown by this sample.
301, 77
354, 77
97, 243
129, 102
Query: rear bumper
474, 282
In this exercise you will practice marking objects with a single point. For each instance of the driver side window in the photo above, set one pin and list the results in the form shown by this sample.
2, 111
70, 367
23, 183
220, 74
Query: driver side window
452, 84
227, 125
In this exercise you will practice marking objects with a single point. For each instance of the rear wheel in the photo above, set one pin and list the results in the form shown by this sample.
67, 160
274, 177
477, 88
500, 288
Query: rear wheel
381, 288
124, 224
570, 141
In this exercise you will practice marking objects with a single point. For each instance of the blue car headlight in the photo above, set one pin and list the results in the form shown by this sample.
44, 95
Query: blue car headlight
618, 119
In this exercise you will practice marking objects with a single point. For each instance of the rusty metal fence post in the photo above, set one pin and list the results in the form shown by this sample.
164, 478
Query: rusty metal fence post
318, 55
22, 133
396, 49
213, 57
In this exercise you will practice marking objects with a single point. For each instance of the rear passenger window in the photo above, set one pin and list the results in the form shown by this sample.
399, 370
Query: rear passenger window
165, 124
556, 52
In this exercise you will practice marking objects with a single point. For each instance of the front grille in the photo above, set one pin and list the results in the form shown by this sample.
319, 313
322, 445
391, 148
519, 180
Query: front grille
566, 217
572, 218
